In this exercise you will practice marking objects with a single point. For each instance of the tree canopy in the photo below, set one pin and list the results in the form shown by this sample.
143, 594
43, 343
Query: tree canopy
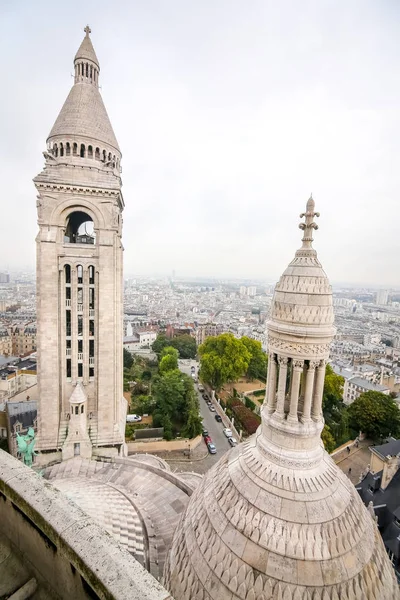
176, 404
169, 362
223, 358
128, 359
375, 414
185, 345
258, 362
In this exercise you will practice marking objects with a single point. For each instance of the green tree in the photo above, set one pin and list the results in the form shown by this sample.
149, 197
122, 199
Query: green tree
333, 385
128, 359
223, 358
328, 439
186, 345
170, 351
168, 363
375, 414
258, 361
161, 342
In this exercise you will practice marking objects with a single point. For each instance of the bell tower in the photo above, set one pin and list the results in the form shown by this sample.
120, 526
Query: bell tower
79, 270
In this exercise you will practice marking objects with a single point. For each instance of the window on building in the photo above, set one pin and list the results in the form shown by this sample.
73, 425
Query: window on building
91, 371
68, 369
82, 409
77, 410
79, 272
91, 327
80, 325
67, 270
80, 294
91, 348
91, 298
80, 369
91, 274
80, 346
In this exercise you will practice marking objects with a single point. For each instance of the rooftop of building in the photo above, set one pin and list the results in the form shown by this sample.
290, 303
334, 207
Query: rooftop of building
368, 385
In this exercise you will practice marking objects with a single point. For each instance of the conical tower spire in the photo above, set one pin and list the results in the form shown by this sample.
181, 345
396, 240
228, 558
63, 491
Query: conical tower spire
86, 63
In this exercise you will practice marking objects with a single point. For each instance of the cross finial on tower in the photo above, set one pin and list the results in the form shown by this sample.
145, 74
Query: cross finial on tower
309, 224
87, 30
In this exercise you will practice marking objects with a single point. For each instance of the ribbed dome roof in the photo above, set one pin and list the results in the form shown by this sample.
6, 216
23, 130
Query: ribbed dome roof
84, 114
275, 518
260, 527
303, 295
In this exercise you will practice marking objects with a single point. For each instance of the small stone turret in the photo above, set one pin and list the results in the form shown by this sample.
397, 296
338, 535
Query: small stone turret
77, 442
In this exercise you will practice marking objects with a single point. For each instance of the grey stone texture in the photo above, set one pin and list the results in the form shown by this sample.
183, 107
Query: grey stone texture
275, 518
81, 175
45, 535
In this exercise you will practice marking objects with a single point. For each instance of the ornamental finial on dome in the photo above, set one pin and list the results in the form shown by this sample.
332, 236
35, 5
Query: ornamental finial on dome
87, 30
309, 224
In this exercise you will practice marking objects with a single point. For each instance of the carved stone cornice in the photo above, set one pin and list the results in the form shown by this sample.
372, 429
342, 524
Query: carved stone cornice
74, 189
277, 345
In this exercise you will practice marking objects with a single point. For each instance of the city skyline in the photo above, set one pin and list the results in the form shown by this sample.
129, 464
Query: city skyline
228, 118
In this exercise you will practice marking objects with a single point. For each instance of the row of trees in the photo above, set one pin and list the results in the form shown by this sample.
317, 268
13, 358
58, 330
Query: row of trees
225, 358
185, 345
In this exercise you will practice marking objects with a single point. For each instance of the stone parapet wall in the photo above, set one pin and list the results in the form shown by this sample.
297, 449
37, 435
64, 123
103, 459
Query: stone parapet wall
60, 544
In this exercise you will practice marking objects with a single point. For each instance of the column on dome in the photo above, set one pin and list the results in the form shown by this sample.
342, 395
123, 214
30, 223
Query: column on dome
270, 397
297, 369
316, 411
280, 402
309, 390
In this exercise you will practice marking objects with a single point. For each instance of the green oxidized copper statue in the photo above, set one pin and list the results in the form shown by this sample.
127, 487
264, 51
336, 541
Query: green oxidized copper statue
26, 445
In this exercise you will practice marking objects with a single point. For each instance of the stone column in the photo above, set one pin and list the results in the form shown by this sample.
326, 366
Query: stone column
271, 383
303, 382
280, 405
297, 368
308, 394
318, 391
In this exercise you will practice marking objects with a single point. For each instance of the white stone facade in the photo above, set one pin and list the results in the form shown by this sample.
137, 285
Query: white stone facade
79, 269
276, 519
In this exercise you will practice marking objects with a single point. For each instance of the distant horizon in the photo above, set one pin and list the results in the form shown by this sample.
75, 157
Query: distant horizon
213, 278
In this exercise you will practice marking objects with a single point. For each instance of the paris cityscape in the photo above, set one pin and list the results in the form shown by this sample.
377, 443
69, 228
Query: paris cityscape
191, 406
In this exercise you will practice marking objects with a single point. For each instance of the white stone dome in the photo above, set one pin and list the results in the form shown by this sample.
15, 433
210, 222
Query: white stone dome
275, 518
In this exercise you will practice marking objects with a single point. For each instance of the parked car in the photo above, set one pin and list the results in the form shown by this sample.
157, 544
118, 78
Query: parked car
201, 388
218, 418
205, 433
212, 449
193, 369
133, 418
227, 432
232, 441
208, 440
205, 396
212, 408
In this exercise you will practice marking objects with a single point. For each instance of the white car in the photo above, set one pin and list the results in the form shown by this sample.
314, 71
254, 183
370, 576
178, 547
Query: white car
133, 418
227, 432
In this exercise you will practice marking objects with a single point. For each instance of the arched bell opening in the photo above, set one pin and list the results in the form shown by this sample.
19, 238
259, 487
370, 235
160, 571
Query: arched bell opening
79, 229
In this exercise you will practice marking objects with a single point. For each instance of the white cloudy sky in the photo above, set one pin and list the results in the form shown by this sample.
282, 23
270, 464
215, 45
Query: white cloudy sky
228, 113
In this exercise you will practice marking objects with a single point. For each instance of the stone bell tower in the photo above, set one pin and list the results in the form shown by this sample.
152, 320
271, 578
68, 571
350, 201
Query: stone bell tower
79, 270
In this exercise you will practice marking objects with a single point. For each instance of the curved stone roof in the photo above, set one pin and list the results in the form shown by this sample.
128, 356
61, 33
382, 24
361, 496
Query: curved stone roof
84, 116
86, 50
258, 529
303, 295
275, 518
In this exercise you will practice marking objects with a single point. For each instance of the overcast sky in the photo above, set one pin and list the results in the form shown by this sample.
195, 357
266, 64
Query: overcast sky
228, 114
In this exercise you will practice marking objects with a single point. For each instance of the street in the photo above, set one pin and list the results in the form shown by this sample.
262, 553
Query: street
213, 427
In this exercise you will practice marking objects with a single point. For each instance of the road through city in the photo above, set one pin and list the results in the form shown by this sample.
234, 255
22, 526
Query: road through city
213, 427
